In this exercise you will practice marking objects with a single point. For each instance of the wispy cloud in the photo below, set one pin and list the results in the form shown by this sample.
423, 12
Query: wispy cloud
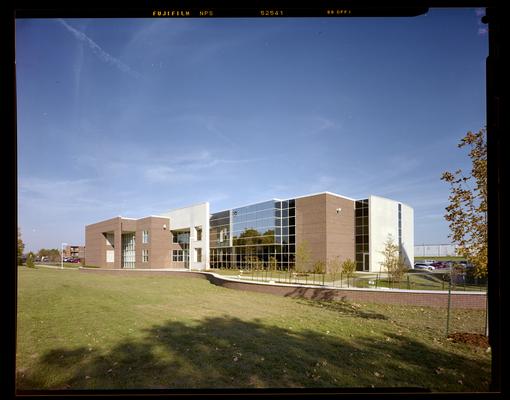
61, 197
192, 167
98, 51
166, 174
316, 125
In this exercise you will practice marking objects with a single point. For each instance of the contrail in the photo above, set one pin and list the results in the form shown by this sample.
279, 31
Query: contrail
96, 49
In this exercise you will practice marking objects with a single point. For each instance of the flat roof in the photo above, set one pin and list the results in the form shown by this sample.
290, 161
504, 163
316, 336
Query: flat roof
387, 198
191, 206
290, 198
316, 194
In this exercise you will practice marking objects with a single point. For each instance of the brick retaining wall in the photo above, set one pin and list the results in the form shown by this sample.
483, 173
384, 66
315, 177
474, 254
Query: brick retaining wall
471, 300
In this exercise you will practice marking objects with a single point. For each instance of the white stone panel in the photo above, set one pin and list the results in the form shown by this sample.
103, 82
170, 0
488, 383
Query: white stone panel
190, 218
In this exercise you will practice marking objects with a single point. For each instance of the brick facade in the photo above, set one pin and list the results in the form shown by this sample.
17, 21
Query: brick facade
328, 233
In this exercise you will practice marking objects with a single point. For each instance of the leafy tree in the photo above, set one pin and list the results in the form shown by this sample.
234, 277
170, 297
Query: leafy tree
273, 263
467, 212
348, 267
30, 260
335, 267
21, 247
302, 257
52, 254
393, 261
252, 262
319, 267
268, 237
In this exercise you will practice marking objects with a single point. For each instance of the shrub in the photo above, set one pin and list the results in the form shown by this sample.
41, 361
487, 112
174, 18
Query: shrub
30, 260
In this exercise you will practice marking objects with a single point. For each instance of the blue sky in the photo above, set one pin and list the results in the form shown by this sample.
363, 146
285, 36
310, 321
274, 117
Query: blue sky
135, 117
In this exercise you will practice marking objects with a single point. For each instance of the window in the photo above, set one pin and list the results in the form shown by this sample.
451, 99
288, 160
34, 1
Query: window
110, 239
177, 255
110, 256
145, 255
198, 254
145, 237
199, 233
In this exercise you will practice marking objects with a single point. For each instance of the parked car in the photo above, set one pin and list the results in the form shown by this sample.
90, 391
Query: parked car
74, 260
440, 265
427, 267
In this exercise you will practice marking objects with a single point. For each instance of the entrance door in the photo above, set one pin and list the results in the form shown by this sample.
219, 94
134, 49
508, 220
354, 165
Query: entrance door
366, 264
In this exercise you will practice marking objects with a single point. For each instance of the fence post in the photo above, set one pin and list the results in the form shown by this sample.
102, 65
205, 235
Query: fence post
408, 283
486, 313
449, 303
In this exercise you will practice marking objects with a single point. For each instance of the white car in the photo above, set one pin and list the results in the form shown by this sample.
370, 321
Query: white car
424, 266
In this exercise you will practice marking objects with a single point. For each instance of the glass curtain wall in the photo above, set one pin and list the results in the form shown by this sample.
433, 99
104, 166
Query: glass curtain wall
128, 250
182, 238
362, 258
257, 236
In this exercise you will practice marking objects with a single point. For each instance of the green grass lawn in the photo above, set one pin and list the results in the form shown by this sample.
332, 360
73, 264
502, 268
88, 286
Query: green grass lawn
80, 330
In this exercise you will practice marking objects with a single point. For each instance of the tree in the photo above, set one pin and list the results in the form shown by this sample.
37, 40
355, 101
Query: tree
52, 254
273, 263
30, 260
393, 261
467, 212
348, 267
334, 267
21, 247
302, 257
319, 267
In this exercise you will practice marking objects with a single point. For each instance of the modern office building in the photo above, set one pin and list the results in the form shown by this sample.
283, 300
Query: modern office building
261, 235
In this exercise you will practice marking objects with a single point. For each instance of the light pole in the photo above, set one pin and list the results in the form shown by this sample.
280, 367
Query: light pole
62, 255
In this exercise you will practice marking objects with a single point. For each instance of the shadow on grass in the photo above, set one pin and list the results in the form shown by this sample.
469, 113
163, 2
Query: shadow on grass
231, 353
344, 307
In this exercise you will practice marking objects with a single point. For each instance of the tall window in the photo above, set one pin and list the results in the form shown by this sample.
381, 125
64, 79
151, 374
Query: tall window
198, 254
145, 255
199, 233
362, 235
145, 237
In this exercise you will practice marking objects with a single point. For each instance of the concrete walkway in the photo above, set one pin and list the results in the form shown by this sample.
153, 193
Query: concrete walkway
55, 267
